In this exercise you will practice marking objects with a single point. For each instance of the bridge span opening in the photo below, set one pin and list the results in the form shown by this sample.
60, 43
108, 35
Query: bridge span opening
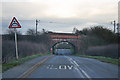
63, 48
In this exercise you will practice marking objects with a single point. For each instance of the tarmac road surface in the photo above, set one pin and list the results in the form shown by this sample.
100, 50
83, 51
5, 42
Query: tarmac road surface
62, 66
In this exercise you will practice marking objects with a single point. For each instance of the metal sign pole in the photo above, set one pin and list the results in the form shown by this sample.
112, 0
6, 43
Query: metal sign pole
15, 24
16, 44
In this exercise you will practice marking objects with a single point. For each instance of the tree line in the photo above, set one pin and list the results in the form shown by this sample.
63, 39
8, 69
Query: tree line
98, 41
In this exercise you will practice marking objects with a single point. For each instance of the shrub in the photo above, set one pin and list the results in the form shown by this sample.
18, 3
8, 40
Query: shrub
25, 48
107, 51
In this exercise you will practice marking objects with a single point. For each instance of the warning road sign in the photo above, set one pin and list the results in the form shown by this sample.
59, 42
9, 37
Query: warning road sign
14, 23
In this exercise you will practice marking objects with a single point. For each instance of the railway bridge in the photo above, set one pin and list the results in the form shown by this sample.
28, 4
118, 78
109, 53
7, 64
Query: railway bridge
68, 38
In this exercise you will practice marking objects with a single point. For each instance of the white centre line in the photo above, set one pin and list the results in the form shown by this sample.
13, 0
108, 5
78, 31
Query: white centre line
77, 67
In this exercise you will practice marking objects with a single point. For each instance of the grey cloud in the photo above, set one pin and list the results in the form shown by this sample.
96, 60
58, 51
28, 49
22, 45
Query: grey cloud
85, 14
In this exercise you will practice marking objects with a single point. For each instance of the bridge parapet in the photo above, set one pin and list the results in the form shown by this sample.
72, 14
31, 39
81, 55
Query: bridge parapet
64, 36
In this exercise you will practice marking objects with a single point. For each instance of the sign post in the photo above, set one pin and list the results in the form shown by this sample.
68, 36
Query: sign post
15, 24
16, 43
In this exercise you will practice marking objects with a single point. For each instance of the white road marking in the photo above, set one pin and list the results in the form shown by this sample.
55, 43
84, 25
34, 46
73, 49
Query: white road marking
48, 66
77, 67
81, 75
85, 73
60, 67
75, 63
70, 66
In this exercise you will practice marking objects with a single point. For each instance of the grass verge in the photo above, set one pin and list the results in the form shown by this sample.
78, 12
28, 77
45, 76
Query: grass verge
18, 62
0, 70
103, 59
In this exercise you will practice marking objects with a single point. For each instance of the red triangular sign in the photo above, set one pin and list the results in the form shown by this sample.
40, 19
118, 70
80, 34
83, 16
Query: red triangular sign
14, 23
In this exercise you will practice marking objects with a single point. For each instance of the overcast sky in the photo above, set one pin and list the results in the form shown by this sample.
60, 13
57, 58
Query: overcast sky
64, 14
